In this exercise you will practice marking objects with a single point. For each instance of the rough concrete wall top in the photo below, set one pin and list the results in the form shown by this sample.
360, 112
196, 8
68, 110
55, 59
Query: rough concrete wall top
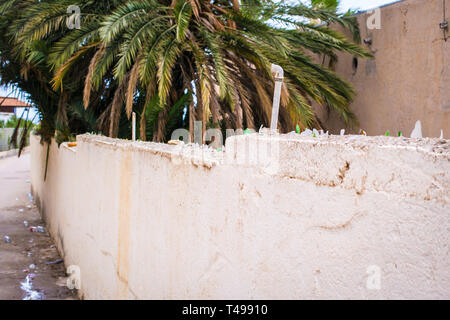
194, 154
405, 167
411, 168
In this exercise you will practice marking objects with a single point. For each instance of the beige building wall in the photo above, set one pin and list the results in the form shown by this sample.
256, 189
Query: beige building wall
270, 218
409, 79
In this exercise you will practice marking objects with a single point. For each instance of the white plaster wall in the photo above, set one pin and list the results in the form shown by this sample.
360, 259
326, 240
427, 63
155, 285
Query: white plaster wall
143, 222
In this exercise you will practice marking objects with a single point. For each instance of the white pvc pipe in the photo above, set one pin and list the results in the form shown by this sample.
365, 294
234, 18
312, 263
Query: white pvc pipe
133, 127
278, 76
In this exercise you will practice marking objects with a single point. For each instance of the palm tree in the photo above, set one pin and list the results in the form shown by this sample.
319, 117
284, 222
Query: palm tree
214, 56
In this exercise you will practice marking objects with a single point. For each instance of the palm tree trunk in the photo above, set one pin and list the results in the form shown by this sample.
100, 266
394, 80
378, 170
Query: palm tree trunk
201, 110
191, 121
142, 125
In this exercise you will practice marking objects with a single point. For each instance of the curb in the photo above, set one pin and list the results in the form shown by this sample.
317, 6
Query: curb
11, 153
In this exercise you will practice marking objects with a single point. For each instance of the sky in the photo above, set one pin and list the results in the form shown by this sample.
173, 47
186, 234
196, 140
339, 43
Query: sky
362, 4
4, 92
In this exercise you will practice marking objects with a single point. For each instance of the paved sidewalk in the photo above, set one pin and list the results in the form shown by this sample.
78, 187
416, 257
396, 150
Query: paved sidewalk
25, 269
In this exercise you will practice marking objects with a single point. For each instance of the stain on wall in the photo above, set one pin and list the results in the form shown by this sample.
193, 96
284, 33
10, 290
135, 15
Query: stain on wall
124, 225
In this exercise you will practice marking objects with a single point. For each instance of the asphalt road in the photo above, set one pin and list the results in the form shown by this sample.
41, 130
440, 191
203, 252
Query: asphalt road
25, 269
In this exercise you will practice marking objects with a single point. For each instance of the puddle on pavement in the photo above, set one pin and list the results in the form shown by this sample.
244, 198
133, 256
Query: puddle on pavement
30, 197
27, 288
44, 276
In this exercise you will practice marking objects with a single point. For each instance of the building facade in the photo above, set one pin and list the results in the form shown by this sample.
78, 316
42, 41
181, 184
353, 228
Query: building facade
409, 79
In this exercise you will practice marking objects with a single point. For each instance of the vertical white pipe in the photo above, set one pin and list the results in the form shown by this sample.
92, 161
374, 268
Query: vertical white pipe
278, 76
133, 126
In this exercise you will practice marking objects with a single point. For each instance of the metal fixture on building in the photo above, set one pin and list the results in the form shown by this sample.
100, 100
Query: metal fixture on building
444, 24
368, 41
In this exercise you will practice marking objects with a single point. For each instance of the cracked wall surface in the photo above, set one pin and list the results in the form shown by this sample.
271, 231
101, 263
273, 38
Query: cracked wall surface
271, 217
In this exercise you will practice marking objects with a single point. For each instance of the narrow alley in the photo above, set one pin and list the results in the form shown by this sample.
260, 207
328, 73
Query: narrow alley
30, 266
